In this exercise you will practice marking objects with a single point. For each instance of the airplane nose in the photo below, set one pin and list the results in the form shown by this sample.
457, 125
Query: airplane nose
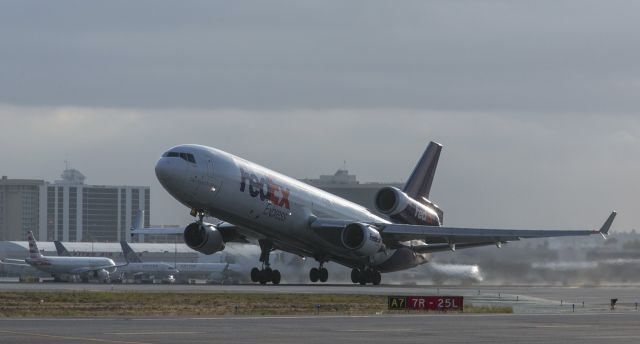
162, 170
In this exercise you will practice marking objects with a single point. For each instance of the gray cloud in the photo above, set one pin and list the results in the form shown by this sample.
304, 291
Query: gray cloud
542, 56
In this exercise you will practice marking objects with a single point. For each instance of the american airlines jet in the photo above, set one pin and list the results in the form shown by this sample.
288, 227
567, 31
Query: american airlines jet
258, 205
134, 269
61, 267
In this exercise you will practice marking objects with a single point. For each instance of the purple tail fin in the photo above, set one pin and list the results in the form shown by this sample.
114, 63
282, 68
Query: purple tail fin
418, 185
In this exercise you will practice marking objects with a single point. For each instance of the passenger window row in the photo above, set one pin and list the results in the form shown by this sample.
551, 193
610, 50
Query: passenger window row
184, 156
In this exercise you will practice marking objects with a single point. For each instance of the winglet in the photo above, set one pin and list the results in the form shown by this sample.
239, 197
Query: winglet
604, 230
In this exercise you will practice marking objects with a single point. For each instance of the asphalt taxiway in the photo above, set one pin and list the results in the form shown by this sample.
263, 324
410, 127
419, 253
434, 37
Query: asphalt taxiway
450, 328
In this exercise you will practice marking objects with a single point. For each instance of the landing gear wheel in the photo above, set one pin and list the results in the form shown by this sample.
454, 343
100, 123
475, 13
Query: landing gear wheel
264, 277
362, 277
355, 275
324, 275
377, 278
314, 275
255, 275
275, 277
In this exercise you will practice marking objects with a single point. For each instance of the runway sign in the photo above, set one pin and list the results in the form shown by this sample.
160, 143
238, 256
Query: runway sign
428, 303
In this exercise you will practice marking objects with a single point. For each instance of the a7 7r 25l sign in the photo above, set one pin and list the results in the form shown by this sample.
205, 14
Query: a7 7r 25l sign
428, 303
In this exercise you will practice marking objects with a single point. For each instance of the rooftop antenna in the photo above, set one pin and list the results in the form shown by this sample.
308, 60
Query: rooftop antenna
66, 164
344, 165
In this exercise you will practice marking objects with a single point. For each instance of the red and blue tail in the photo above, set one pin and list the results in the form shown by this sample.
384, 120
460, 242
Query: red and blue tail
33, 247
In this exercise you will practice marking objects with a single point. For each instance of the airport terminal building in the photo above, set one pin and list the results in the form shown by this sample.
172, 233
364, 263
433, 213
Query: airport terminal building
68, 209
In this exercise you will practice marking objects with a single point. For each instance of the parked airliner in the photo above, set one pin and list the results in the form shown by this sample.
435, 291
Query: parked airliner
258, 205
134, 269
66, 267
184, 272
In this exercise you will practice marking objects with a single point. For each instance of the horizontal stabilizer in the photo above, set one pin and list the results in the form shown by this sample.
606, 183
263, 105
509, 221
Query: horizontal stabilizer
15, 262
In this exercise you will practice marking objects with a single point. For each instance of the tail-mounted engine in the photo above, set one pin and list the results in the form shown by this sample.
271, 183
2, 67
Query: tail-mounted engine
363, 239
404, 209
204, 238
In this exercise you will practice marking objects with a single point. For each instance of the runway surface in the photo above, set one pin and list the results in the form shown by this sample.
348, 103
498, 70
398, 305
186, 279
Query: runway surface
523, 299
520, 328
543, 314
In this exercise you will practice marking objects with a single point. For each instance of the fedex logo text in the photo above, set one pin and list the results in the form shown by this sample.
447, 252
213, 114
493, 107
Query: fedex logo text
265, 188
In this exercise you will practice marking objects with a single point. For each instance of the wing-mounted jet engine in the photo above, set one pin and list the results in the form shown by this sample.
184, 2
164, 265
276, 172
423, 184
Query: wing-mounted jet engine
203, 237
103, 275
363, 239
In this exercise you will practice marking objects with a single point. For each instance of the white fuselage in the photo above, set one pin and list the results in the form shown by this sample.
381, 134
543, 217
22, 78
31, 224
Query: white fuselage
208, 271
264, 203
67, 265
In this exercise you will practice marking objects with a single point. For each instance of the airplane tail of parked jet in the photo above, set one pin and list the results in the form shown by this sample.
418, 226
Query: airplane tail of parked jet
129, 255
34, 252
62, 251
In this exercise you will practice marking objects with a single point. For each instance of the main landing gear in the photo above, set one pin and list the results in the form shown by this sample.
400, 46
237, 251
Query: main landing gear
266, 274
319, 274
366, 276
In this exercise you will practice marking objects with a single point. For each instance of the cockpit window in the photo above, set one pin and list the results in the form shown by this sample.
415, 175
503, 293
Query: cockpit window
184, 156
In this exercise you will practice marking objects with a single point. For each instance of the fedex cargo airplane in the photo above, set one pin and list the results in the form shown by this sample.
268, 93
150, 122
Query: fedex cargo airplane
258, 205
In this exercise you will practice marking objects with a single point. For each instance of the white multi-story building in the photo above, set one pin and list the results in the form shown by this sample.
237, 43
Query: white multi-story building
69, 210
19, 207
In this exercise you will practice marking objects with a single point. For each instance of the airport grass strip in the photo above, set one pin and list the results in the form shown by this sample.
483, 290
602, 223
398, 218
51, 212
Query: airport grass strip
103, 304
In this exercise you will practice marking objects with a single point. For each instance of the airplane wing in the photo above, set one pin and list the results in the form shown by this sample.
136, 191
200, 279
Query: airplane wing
157, 231
83, 270
229, 231
450, 238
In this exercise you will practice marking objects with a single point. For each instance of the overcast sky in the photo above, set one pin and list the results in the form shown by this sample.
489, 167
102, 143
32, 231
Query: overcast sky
537, 103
